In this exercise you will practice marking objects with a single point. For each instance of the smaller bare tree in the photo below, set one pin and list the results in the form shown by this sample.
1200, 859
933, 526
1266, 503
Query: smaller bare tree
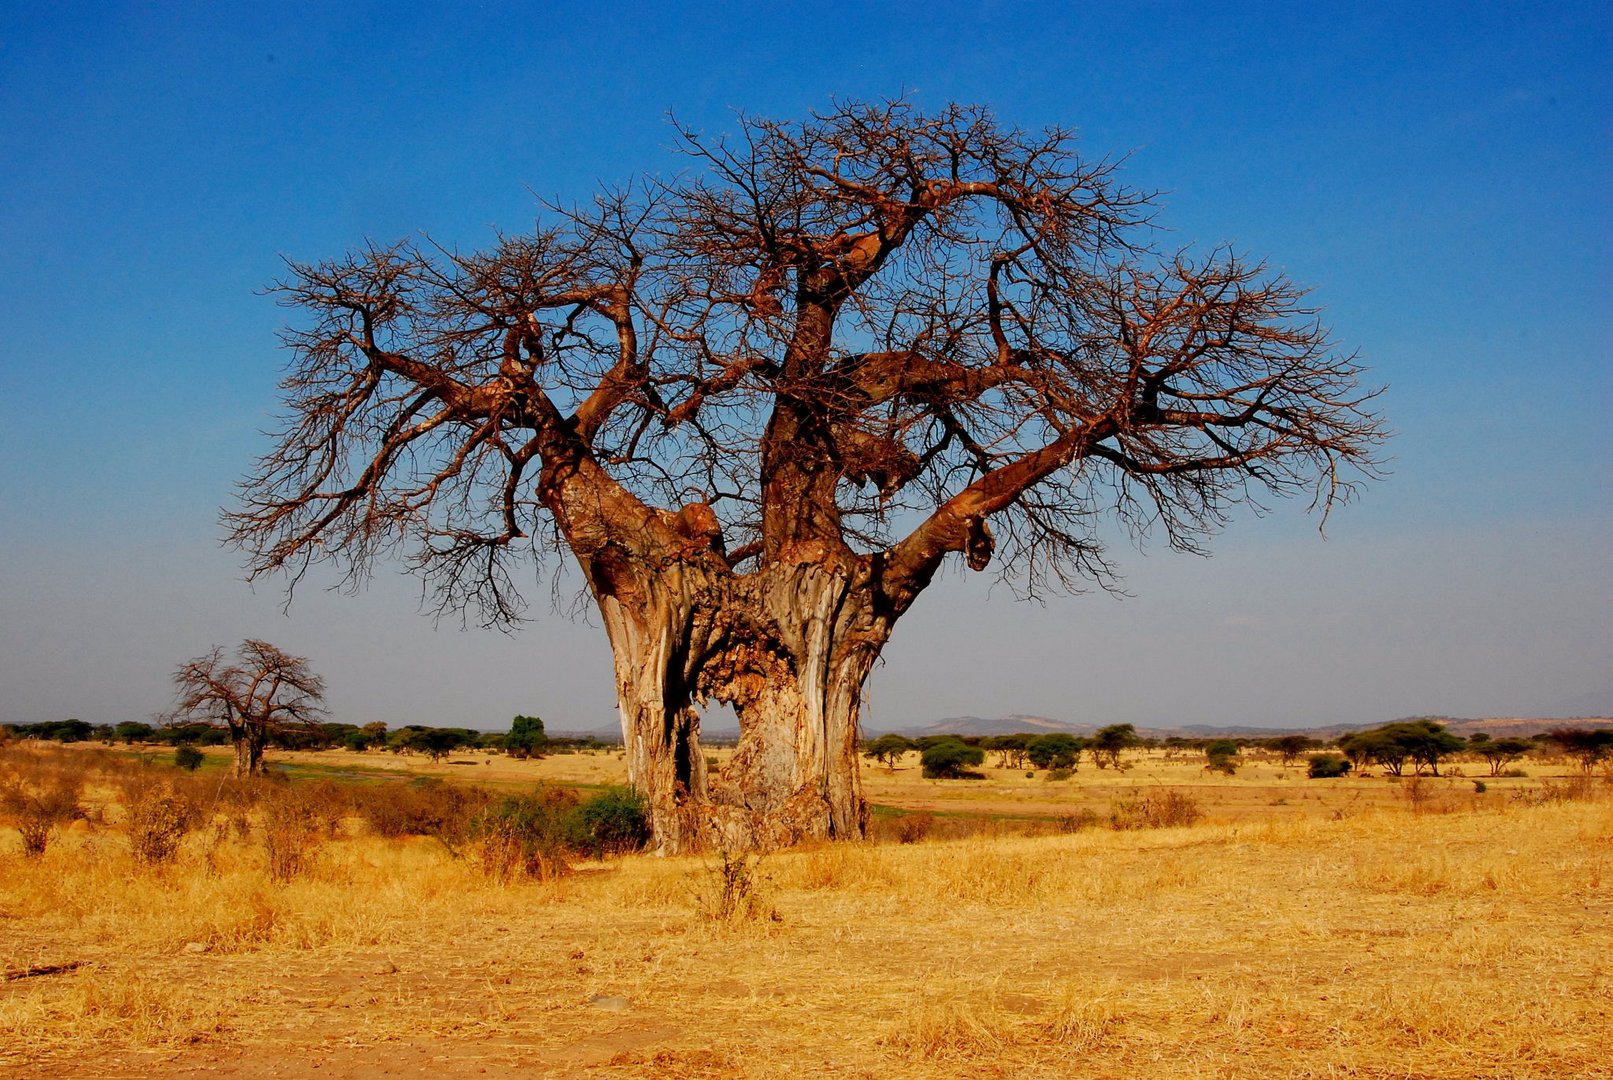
263, 690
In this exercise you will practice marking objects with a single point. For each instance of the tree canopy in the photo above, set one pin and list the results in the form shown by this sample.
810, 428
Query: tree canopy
826, 327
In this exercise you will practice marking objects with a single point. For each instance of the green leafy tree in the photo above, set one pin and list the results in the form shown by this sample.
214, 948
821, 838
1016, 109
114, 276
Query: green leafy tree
1376, 747
1010, 749
1429, 743
1110, 742
1054, 751
1289, 747
526, 738
435, 742
1588, 748
1499, 753
1420, 743
132, 731
888, 749
1221, 755
951, 759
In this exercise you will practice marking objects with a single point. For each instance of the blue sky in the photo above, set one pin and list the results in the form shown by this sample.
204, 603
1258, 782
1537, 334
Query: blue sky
1438, 175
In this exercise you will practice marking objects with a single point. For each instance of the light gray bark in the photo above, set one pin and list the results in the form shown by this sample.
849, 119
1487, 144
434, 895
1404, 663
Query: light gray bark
789, 648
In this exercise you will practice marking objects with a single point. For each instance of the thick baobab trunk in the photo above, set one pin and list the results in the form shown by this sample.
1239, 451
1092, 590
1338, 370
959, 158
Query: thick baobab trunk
248, 754
789, 647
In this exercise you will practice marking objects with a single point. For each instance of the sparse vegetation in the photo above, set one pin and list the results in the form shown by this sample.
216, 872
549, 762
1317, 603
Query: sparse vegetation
731, 890
1155, 810
233, 902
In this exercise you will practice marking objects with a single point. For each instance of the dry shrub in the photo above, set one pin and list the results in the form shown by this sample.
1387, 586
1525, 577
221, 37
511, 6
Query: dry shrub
158, 819
1082, 1022
1163, 809
295, 823
1573, 789
732, 891
951, 1030
524, 836
425, 807
38, 793
1422, 796
911, 828
1075, 821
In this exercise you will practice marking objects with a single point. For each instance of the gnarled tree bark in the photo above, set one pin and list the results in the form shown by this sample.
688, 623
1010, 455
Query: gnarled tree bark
789, 648
761, 406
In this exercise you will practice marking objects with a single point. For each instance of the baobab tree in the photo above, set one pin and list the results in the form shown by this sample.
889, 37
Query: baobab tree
264, 689
762, 403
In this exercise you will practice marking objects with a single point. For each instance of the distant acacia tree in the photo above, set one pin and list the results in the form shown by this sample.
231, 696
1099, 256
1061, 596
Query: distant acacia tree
1055, 750
1010, 749
1108, 743
261, 691
1421, 743
133, 731
1499, 752
1588, 748
1289, 747
1221, 755
435, 742
888, 749
762, 403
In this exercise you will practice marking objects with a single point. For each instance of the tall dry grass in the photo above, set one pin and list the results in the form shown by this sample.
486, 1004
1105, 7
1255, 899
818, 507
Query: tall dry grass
1443, 937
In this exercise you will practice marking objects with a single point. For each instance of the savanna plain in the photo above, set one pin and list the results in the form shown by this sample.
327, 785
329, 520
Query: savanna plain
1160, 921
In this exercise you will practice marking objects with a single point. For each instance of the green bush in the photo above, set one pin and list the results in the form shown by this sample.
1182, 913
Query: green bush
613, 822
188, 758
1327, 766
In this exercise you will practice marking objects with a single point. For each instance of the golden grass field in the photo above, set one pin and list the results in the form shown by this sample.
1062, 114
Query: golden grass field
1301, 929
